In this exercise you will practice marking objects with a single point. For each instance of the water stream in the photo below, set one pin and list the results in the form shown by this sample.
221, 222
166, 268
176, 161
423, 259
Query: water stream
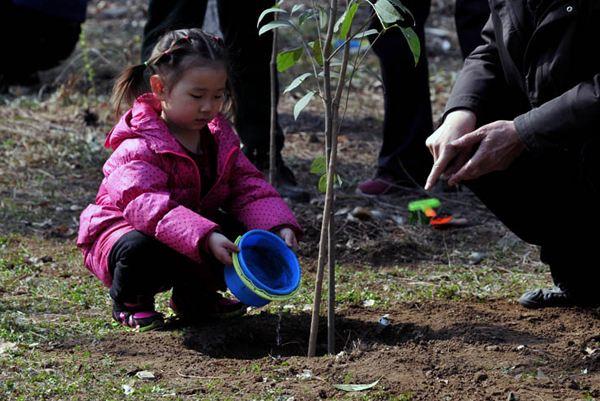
278, 328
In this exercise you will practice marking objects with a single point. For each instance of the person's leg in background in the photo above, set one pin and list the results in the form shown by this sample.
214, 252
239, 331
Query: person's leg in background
166, 15
250, 56
470, 16
54, 37
403, 160
533, 198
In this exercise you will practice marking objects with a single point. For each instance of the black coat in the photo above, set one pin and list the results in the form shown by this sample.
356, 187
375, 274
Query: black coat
540, 68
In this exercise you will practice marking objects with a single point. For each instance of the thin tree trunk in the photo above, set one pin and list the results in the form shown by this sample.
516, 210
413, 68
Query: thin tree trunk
273, 128
314, 324
331, 284
327, 217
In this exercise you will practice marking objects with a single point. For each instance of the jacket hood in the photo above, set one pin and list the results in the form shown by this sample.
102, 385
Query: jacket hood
143, 120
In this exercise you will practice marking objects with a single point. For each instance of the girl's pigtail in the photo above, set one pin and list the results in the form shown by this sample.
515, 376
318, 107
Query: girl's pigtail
128, 86
230, 107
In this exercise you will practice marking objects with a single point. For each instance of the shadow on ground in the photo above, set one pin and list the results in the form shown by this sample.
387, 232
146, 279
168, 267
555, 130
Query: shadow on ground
258, 336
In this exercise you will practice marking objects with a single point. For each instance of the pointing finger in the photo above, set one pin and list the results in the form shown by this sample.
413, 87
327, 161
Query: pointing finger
448, 153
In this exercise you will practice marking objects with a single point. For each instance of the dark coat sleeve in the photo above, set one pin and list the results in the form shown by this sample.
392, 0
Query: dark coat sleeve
564, 122
481, 78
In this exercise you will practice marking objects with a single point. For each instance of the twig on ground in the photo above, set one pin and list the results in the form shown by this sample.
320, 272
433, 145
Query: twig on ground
199, 377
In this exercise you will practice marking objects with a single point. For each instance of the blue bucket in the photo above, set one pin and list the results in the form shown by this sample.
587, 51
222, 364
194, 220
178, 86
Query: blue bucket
264, 270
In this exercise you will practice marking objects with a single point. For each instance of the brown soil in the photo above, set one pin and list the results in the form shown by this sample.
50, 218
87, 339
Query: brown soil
436, 351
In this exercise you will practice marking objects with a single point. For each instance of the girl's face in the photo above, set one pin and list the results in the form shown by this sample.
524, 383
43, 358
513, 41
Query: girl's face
194, 100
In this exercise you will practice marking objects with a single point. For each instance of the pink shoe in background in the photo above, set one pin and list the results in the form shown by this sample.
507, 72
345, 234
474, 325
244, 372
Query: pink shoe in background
379, 185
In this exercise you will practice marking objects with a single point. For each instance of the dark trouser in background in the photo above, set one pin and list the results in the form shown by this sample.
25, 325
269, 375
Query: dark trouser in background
551, 201
250, 56
407, 109
470, 16
407, 119
142, 266
42, 42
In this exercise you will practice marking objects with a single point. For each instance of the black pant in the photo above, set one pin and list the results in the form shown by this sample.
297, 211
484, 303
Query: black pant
42, 42
142, 266
407, 107
249, 54
470, 16
551, 201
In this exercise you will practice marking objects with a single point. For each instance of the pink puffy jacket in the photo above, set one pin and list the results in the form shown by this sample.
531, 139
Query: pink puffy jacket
151, 185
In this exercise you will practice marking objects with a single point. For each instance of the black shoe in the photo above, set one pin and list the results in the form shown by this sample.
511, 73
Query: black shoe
286, 185
547, 298
284, 176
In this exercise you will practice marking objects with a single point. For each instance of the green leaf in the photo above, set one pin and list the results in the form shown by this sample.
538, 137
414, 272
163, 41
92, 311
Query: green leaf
413, 42
316, 51
318, 166
345, 21
288, 58
322, 186
305, 16
386, 12
297, 82
267, 12
274, 25
301, 104
402, 7
323, 17
355, 387
364, 34
297, 7
332, 74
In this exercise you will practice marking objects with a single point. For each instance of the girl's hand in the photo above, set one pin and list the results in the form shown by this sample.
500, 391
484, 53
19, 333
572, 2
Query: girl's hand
287, 234
221, 247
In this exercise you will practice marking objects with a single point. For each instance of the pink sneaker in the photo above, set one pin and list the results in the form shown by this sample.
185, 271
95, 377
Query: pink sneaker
138, 317
379, 185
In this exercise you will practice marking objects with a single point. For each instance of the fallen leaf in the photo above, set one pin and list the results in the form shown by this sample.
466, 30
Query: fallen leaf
355, 387
384, 320
305, 375
145, 375
127, 389
7, 347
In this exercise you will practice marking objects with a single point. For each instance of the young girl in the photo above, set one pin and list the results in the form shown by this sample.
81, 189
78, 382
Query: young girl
176, 177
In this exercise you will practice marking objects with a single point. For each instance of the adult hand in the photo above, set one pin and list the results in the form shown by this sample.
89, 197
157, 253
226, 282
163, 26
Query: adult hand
221, 247
287, 234
498, 145
447, 158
